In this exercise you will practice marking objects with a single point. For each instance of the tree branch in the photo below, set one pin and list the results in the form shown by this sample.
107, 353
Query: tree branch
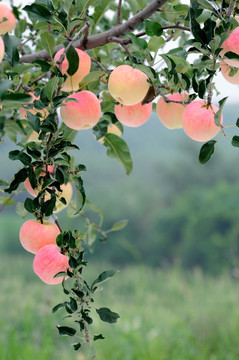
103, 38
118, 22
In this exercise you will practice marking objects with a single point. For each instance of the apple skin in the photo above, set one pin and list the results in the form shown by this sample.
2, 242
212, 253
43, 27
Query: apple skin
198, 121
72, 82
134, 115
170, 114
128, 86
34, 235
225, 70
83, 114
48, 262
23, 112
231, 44
2, 49
10, 23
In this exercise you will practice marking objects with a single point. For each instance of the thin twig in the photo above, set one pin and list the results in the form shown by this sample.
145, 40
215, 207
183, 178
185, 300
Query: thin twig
6, 202
62, 57
54, 217
210, 87
231, 7
40, 77
100, 65
121, 42
118, 22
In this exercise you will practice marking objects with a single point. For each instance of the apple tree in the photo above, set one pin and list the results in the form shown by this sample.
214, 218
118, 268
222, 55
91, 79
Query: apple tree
83, 65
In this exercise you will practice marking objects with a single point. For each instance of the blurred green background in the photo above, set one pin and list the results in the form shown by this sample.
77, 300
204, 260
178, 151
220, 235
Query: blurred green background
177, 289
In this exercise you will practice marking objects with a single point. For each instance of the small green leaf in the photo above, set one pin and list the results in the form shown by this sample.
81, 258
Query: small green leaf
77, 346
51, 87
38, 11
57, 307
206, 152
119, 225
98, 337
139, 43
107, 315
217, 116
48, 43
235, 141
103, 277
153, 28
66, 330
118, 149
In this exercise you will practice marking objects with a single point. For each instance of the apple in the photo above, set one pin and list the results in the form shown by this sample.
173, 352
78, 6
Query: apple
34, 235
128, 86
198, 121
2, 49
82, 114
170, 114
9, 24
48, 262
225, 70
72, 82
231, 44
134, 115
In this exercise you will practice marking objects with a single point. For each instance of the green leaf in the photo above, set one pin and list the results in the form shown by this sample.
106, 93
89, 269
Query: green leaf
98, 337
73, 61
118, 149
19, 177
20, 210
66, 330
206, 152
139, 43
80, 194
77, 346
92, 76
4, 86
37, 11
119, 225
57, 307
235, 141
153, 28
107, 315
48, 43
51, 87
217, 116
103, 277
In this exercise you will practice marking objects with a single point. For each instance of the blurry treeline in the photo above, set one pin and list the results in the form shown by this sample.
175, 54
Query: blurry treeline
178, 210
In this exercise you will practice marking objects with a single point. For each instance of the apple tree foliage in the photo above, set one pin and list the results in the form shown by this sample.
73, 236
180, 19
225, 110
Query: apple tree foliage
112, 32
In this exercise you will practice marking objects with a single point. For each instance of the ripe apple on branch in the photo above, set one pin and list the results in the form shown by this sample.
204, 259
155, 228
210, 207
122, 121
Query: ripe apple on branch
67, 66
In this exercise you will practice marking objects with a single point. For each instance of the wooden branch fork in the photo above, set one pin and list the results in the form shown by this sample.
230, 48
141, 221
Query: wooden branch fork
105, 37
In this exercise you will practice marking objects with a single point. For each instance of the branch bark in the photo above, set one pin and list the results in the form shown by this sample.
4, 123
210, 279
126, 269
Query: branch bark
103, 38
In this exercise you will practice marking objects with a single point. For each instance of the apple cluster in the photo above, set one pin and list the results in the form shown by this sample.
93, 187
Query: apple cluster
39, 238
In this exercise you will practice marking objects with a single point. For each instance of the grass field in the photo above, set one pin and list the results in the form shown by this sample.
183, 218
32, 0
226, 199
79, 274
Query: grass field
165, 315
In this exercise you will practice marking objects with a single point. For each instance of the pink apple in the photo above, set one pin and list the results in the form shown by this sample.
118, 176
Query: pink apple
231, 44
9, 24
2, 49
128, 86
170, 114
72, 82
34, 235
198, 121
83, 113
48, 262
225, 70
134, 115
